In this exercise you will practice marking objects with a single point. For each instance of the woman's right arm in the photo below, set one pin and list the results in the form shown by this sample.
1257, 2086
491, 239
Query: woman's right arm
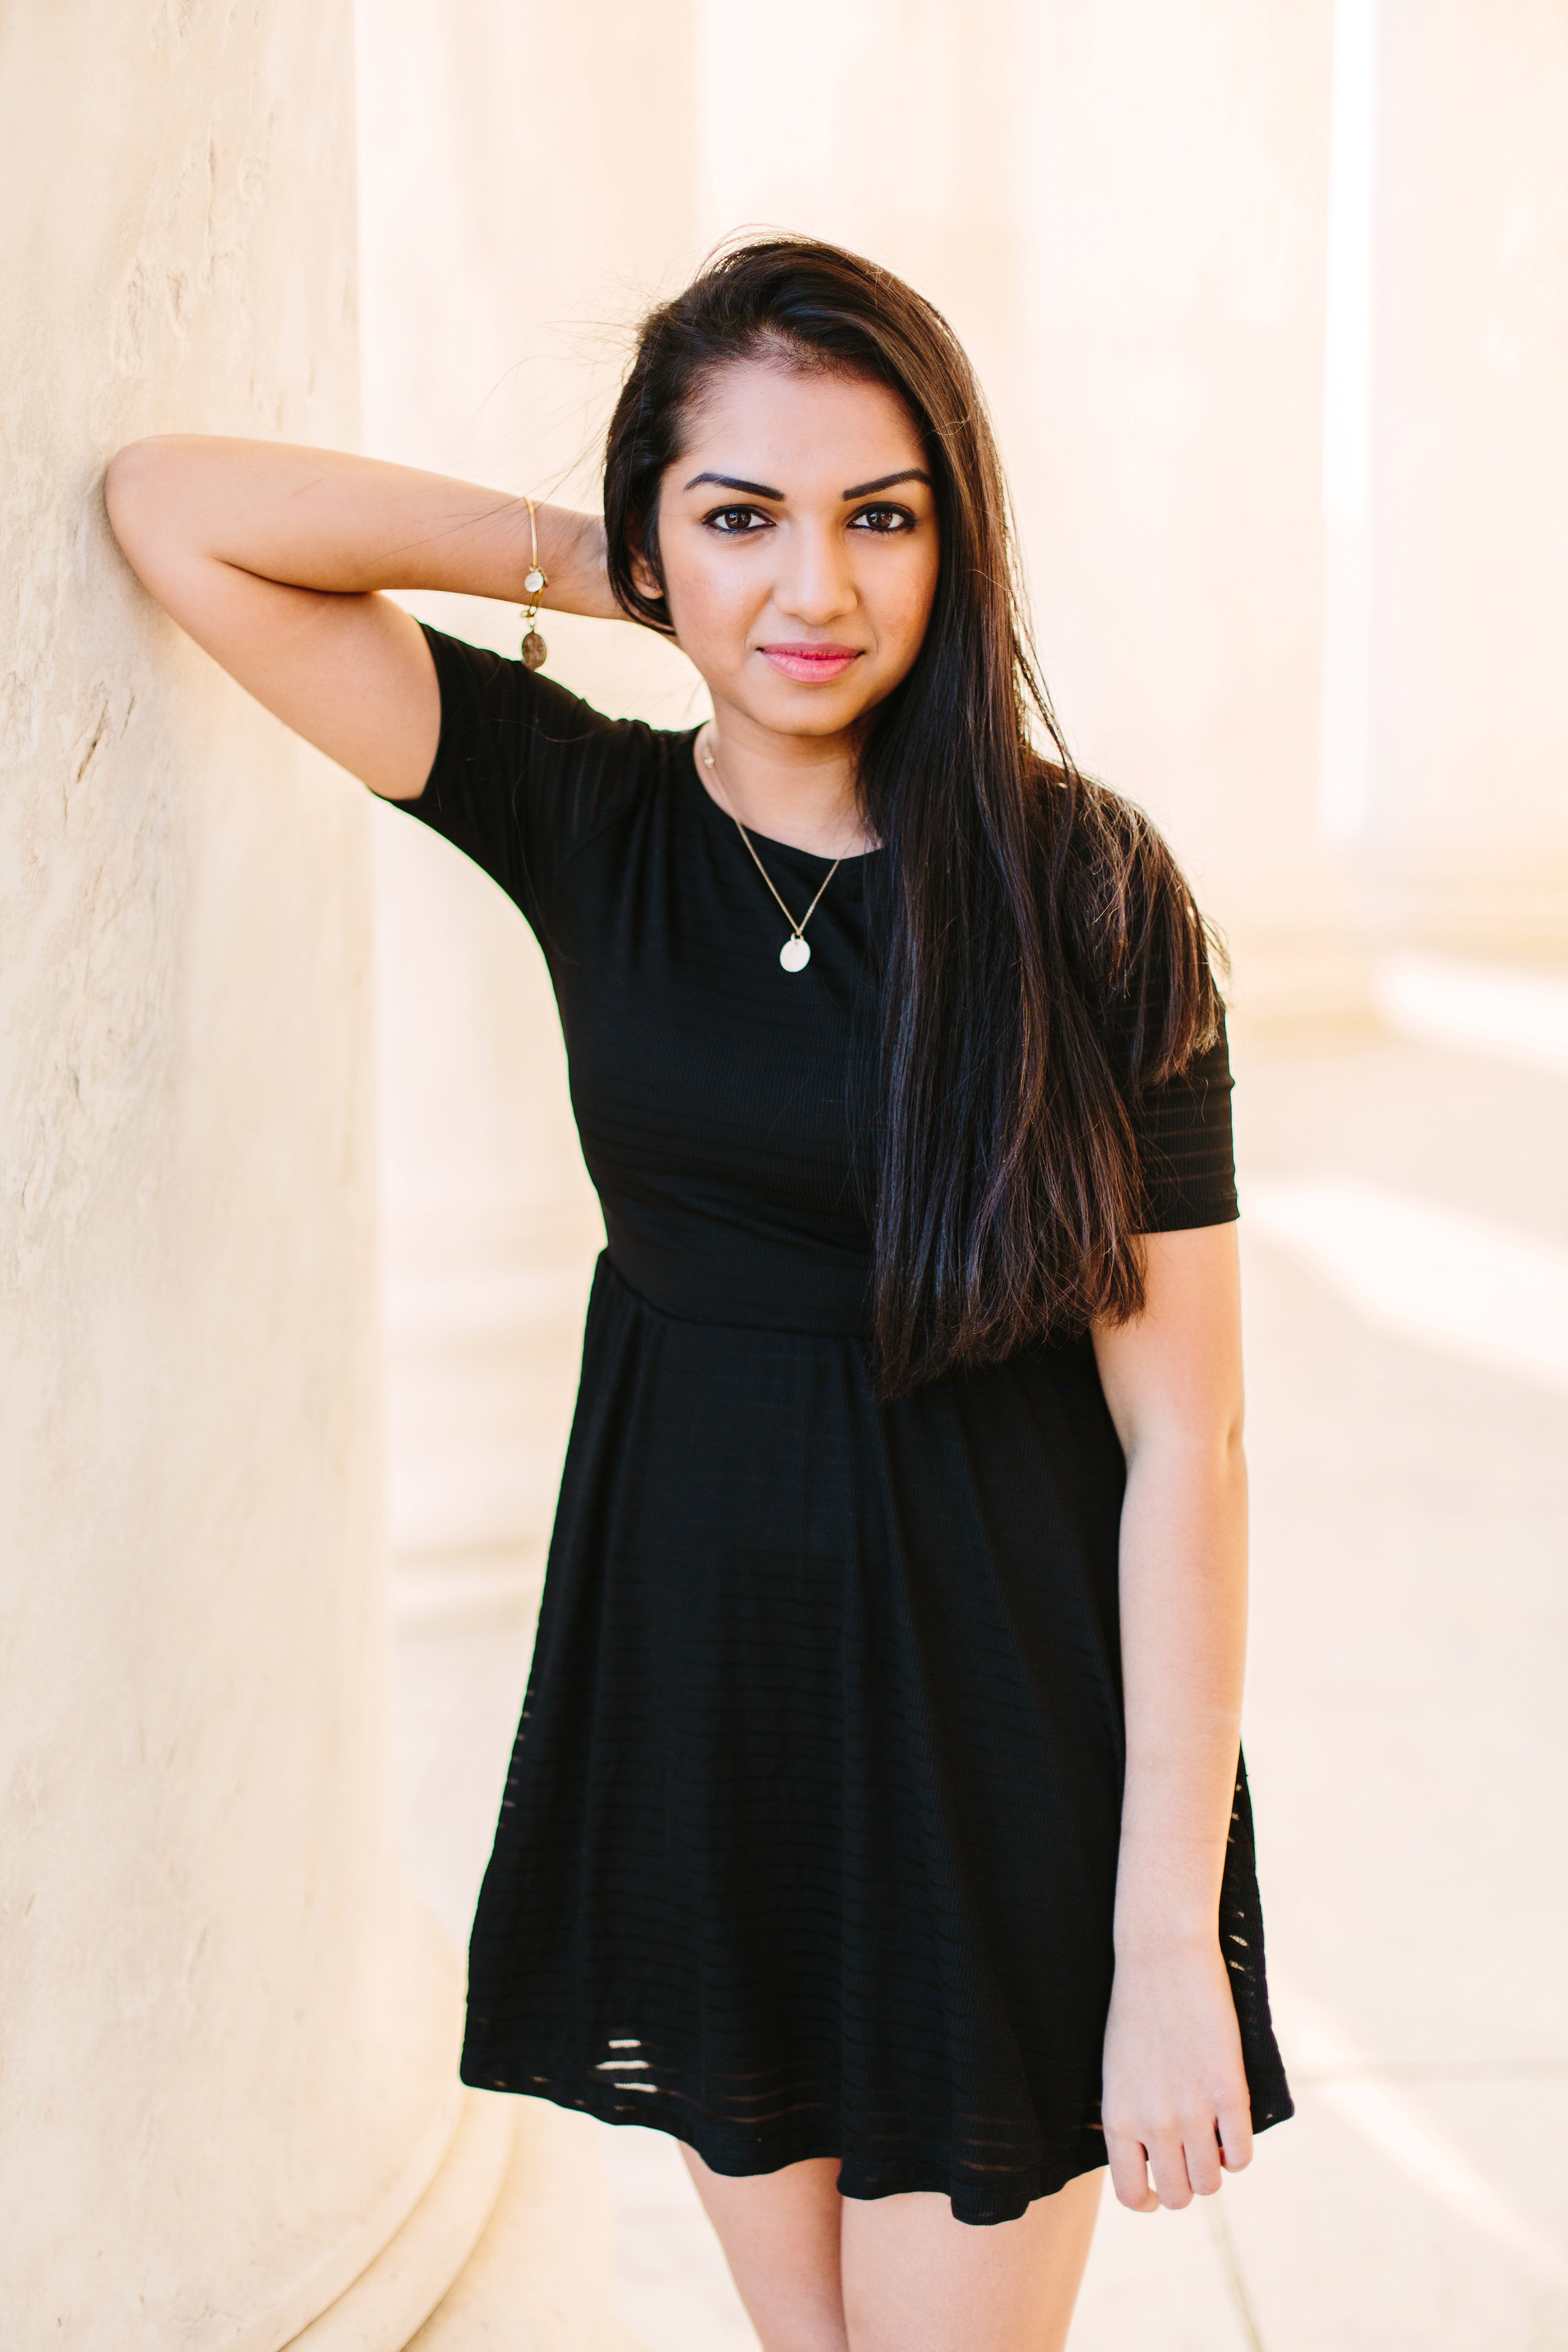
272, 559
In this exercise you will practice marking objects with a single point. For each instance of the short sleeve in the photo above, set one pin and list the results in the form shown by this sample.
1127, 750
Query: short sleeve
523, 772
1183, 1133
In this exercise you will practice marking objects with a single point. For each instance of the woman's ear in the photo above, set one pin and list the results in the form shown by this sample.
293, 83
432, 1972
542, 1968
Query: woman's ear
645, 579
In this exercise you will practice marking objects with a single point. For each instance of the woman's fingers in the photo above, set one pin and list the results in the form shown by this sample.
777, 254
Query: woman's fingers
1130, 2174
1185, 2163
1201, 2149
1235, 2137
1168, 2163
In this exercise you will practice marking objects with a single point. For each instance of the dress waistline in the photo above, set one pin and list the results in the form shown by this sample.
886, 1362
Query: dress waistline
822, 1304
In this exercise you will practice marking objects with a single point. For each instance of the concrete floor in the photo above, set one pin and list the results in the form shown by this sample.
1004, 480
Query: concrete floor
1406, 1263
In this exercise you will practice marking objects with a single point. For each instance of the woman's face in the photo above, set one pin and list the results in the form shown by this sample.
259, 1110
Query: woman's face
798, 536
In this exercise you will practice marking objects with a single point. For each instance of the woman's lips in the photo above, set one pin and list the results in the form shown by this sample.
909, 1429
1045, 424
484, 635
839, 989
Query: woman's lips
814, 665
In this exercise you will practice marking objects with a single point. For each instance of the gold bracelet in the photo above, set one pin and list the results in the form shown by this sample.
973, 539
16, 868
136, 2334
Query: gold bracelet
533, 651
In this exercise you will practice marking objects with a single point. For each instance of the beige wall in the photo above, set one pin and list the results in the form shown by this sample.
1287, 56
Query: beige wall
1175, 293
225, 2034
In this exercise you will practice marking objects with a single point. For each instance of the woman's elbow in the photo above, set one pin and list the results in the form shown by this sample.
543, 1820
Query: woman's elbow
145, 486
1211, 1441
129, 491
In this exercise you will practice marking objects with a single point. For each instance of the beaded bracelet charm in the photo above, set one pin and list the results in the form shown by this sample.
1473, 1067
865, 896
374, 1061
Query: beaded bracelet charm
533, 651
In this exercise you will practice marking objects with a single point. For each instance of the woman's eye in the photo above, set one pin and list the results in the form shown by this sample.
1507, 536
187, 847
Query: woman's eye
885, 518
735, 522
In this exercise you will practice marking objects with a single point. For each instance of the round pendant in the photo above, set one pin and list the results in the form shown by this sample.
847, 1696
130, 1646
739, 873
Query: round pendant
533, 650
794, 955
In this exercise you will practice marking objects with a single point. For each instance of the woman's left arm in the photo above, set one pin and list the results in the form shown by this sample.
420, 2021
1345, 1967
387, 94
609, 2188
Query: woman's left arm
1174, 2088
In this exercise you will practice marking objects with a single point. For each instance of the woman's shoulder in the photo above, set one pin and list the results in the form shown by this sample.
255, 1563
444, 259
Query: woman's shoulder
526, 709
1144, 954
1115, 844
1146, 961
527, 772
519, 730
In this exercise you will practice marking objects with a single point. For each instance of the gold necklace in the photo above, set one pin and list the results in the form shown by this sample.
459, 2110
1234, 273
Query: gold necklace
795, 952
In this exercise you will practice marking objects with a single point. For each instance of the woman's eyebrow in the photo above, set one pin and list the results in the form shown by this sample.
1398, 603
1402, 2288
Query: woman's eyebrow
764, 490
728, 482
909, 474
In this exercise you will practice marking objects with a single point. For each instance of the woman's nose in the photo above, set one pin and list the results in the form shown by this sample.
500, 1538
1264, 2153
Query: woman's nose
814, 583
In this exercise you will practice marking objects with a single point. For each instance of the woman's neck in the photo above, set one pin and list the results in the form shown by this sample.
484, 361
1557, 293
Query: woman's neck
797, 789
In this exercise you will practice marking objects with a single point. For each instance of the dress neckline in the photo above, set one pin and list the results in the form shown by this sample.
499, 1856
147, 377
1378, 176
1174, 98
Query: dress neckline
854, 857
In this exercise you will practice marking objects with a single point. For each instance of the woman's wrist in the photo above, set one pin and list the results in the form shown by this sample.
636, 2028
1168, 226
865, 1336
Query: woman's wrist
572, 555
1167, 1901
1164, 1943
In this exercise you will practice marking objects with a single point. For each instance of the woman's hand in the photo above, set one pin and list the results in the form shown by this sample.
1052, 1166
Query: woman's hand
272, 559
1174, 2102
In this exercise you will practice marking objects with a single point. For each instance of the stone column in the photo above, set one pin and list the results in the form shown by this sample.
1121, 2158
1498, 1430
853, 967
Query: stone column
227, 2032
1462, 836
1177, 170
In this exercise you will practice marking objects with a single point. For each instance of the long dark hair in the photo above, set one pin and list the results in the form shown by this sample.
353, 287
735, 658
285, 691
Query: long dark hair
1041, 959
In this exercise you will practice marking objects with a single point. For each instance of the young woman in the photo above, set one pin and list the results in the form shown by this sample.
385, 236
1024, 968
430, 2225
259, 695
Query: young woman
876, 1824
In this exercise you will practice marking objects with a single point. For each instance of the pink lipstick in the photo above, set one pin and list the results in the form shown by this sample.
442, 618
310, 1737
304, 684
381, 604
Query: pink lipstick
813, 665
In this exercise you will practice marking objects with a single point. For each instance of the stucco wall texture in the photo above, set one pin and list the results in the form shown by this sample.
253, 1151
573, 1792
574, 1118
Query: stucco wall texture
226, 2035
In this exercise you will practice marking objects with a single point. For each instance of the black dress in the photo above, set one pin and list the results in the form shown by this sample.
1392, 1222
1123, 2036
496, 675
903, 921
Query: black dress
809, 1842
